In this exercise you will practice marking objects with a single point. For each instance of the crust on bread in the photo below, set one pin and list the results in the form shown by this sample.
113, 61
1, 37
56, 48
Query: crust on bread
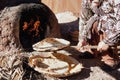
57, 64
51, 44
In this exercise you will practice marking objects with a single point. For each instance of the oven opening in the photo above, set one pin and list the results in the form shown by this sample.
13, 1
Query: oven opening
32, 27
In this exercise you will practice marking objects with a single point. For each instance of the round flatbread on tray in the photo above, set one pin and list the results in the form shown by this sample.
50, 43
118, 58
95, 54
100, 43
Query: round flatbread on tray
55, 64
51, 44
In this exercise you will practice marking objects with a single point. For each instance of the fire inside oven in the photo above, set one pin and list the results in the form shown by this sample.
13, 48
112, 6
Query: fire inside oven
32, 27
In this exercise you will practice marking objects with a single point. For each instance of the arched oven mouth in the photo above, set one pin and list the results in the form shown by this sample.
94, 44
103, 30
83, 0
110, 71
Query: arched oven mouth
33, 25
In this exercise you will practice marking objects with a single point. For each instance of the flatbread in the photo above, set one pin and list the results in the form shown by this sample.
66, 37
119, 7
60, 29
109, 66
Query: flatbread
51, 44
56, 64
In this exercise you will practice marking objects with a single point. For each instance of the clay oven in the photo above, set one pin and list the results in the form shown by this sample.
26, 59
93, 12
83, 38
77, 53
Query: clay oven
16, 14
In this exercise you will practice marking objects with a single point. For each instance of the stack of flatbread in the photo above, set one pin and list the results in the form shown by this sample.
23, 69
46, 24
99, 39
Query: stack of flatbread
51, 44
55, 64
49, 62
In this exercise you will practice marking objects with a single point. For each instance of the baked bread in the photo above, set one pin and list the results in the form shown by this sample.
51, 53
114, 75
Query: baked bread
56, 64
51, 44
